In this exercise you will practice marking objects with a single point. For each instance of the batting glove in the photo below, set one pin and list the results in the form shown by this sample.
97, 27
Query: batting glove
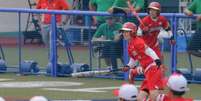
125, 68
158, 62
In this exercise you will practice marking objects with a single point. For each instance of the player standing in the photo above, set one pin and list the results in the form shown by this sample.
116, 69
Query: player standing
154, 27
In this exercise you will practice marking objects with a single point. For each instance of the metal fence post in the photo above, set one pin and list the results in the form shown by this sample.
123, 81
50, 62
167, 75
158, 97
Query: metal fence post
88, 24
19, 42
53, 47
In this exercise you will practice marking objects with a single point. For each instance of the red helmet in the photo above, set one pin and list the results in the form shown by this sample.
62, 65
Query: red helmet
155, 5
129, 26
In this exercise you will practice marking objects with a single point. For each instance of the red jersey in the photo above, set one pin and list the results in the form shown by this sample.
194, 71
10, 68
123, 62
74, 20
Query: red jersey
151, 38
136, 50
52, 5
164, 97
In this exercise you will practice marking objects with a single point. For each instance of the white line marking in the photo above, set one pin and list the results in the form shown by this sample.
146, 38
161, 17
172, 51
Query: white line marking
38, 84
89, 90
3, 79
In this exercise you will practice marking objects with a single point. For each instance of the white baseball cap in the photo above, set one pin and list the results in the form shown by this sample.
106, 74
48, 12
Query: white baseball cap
177, 82
128, 92
38, 98
2, 99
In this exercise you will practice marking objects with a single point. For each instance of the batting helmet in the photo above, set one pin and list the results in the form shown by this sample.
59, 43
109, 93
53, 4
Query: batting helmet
129, 26
155, 5
128, 92
38, 98
2, 99
177, 82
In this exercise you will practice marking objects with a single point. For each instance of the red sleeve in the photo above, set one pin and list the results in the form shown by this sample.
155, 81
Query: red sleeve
38, 5
140, 46
145, 22
64, 4
165, 22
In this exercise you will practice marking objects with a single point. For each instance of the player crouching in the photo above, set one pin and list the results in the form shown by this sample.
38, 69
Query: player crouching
148, 60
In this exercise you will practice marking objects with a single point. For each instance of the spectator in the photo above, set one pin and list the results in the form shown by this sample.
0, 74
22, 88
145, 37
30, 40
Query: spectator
127, 92
122, 6
177, 85
111, 49
100, 6
194, 45
46, 18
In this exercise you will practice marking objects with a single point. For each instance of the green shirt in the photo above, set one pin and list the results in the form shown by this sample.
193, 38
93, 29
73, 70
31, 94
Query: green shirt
102, 5
123, 3
196, 8
108, 31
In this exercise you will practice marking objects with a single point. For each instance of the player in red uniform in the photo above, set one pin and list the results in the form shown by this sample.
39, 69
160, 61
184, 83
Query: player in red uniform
149, 62
177, 85
154, 27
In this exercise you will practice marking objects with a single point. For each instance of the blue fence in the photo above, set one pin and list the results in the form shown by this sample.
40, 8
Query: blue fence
173, 17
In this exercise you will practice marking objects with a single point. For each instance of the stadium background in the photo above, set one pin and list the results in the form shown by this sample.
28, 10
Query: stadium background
8, 29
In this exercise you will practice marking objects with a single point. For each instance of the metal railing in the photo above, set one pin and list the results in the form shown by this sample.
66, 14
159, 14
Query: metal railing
173, 17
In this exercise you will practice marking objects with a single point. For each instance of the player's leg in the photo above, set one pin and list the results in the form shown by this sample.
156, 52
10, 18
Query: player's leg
144, 92
153, 94
163, 68
142, 95
154, 78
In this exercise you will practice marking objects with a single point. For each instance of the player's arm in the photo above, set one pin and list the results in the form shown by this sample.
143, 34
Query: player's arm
92, 5
131, 64
134, 64
139, 31
65, 6
167, 27
153, 55
190, 9
143, 49
99, 34
166, 31
38, 6
143, 28
188, 12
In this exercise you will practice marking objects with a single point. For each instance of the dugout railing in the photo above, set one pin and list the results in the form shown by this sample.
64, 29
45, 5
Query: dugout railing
173, 18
